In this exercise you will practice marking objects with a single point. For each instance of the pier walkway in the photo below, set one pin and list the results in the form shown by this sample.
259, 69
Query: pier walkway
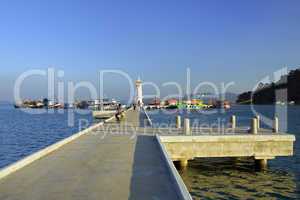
97, 165
127, 160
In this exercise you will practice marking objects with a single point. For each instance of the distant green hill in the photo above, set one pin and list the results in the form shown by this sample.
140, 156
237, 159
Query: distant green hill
286, 90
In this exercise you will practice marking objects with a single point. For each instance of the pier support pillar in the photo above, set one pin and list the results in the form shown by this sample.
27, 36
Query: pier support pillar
233, 121
261, 164
258, 121
275, 125
178, 122
183, 163
254, 126
187, 130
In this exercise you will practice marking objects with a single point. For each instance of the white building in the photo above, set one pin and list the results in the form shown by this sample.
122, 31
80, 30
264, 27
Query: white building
139, 93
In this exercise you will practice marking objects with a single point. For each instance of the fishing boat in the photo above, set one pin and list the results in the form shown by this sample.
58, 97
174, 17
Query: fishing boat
104, 108
222, 104
194, 104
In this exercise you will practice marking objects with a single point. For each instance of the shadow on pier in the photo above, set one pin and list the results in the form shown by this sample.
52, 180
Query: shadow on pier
150, 177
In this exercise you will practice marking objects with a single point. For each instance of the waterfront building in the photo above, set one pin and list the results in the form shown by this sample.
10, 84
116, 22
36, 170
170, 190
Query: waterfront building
172, 102
139, 92
155, 102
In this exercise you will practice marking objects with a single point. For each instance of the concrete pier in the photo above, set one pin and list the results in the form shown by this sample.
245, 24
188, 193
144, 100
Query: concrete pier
260, 147
122, 160
183, 163
186, 126
233, 121
275, 125
98, 165
258, 121
254, 126
261, 163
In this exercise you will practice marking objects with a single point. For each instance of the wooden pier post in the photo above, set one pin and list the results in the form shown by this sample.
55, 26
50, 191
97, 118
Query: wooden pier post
233, 121
275, 125
187, 130
258, 121
254, 126
178, 121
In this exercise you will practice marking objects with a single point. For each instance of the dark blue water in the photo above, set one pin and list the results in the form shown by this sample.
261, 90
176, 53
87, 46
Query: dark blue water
22, 134
238, 179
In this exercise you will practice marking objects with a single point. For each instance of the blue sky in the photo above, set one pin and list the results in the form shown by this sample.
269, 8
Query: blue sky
221, 41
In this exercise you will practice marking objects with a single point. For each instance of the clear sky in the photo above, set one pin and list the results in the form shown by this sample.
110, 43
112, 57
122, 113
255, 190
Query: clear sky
220, 40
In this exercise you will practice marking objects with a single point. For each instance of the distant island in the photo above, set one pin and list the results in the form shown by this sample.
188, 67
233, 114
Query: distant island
284, 91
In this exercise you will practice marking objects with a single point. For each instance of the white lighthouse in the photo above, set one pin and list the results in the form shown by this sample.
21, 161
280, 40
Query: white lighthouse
139, 93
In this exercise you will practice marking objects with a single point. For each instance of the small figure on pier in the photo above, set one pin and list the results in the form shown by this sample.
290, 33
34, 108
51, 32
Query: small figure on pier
119, 114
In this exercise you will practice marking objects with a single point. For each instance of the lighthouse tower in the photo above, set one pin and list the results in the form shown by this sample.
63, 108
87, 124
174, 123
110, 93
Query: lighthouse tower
139, 93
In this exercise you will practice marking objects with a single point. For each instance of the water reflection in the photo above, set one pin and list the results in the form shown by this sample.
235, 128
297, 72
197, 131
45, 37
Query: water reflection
229, 178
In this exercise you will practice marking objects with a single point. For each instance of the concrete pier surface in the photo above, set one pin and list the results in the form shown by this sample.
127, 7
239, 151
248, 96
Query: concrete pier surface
124, 160
260, 147
96, 166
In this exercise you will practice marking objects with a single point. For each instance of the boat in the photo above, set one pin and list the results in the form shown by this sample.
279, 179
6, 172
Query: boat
193, 104
191, 107
222, 104
103, 114
104, 108
172, 107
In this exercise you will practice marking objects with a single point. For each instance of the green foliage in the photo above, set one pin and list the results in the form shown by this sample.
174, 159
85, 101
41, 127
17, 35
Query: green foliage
268, 93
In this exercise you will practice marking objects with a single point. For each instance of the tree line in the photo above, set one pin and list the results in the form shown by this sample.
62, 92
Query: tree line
286, 90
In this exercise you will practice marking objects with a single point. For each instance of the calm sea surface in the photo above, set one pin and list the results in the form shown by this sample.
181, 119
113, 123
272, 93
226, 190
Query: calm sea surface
238, 179
21, 134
